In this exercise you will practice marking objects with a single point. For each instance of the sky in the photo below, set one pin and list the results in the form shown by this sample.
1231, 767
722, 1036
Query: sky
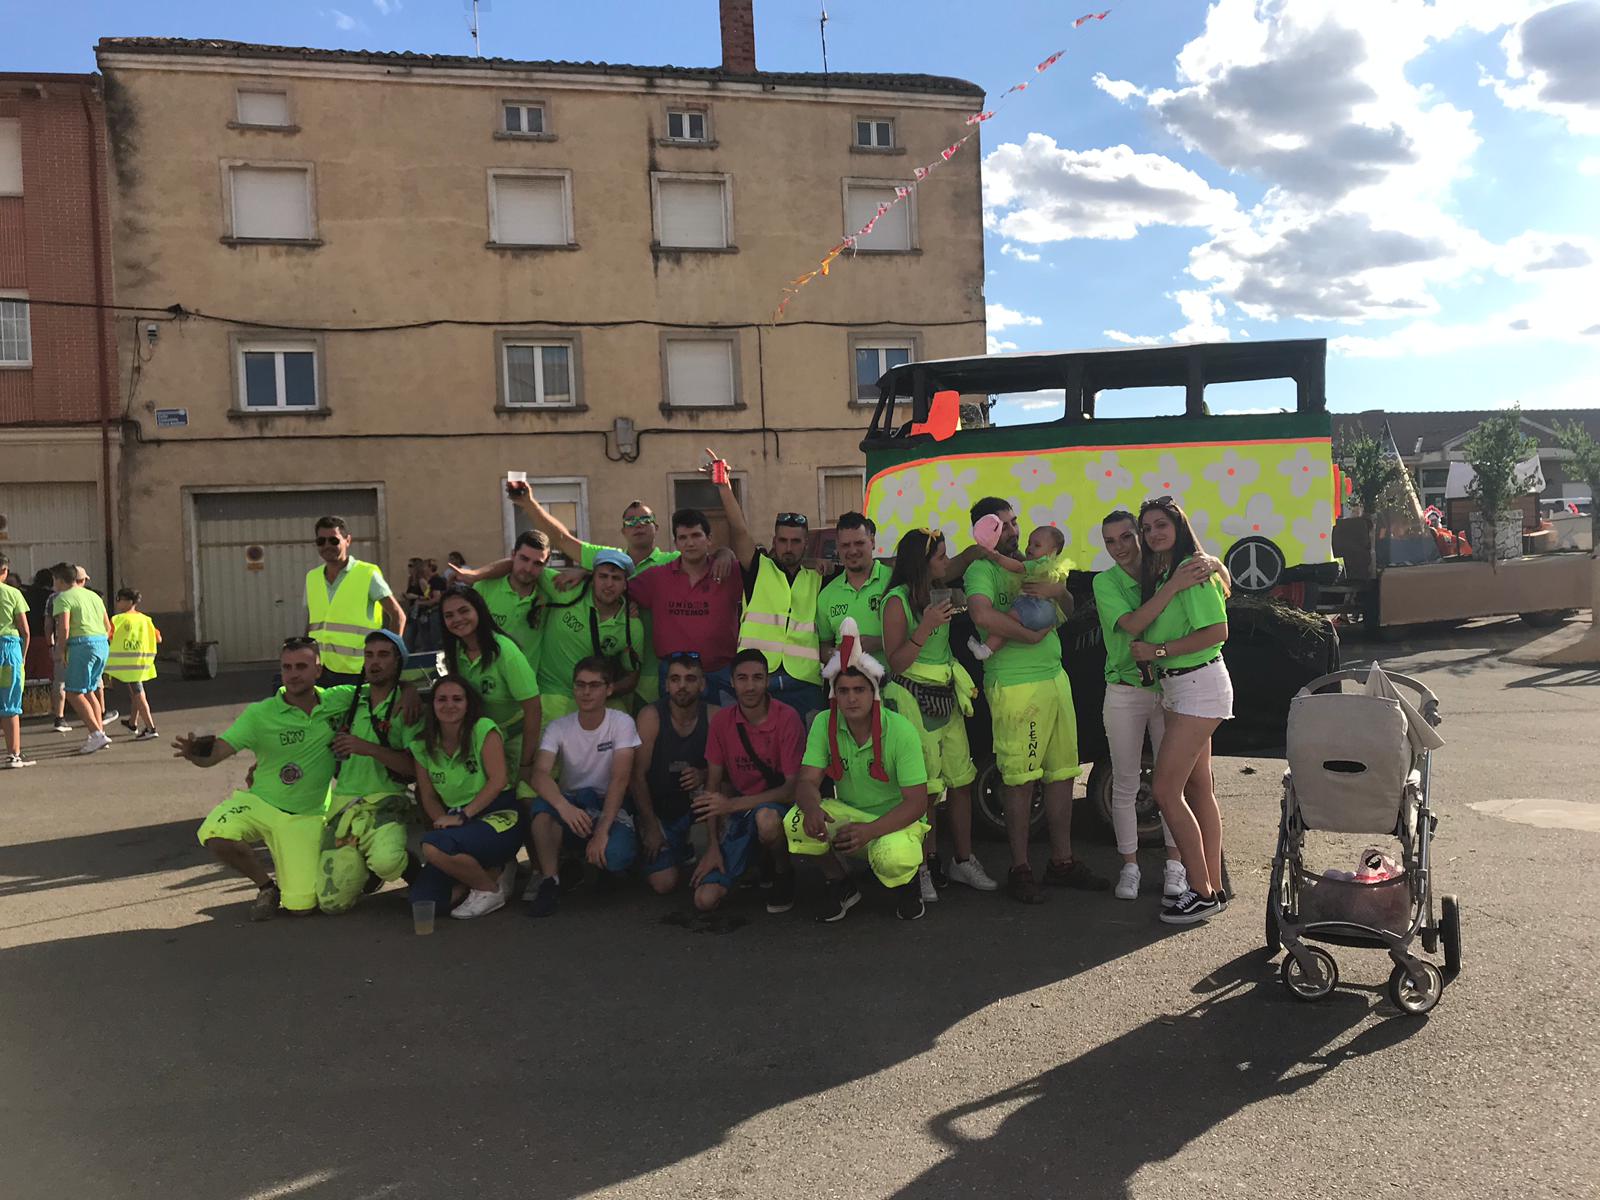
1417, 182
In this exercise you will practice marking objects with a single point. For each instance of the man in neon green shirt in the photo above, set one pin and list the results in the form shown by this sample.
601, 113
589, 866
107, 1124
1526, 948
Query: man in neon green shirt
857, 591
602, 622
14, 638
81, 624
292, 740
520, 600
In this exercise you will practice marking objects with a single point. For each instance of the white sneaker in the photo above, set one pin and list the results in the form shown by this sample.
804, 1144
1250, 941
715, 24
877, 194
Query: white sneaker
970, 873
478, 904
1174, 880
1128, 882
925, 882
979, 650
110, 717
13, 762
95, 741
508, 880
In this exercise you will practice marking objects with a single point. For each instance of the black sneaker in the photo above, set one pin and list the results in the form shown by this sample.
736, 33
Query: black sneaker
842, 897
546, 900
781, 898
1075, 875
1020, 886
61, 726
936, 872
265, 906
373, 884
1189, 908
908, 905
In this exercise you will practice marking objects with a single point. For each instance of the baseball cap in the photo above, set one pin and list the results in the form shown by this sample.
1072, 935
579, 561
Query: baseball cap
614, 558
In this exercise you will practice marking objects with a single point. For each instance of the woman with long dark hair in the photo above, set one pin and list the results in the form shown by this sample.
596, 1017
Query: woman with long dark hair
476, 650
932, 691
1182, 643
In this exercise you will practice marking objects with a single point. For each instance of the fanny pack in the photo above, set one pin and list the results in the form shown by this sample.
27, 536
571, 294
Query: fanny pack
936, 701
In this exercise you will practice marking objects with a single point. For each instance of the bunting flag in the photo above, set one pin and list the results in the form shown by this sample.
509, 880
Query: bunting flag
919, 174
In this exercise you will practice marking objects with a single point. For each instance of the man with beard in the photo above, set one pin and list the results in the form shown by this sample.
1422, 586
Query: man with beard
857, 591
669, 770
692, 611
599, 621
519, 601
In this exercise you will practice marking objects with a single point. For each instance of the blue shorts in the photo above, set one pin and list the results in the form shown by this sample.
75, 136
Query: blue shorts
740, 840
11, 673
86, 663
1034, 612
676, 849
493, 837
622, 845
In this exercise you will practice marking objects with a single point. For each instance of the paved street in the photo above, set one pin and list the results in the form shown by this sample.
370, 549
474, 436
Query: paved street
158, 1045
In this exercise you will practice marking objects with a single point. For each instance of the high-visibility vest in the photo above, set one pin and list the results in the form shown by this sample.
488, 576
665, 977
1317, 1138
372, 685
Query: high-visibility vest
780, 620
340, 625
132, 657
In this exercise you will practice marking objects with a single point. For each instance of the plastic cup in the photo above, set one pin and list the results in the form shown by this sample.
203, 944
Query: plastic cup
422, 917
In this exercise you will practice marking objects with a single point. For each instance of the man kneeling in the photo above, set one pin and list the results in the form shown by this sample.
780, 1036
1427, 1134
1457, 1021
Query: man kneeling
875, 759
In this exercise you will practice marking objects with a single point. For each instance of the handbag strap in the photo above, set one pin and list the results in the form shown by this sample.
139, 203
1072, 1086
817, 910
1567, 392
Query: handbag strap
768, 772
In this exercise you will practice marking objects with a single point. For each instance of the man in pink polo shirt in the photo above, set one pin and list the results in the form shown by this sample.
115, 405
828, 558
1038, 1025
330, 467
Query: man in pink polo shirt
692, 612
753, 755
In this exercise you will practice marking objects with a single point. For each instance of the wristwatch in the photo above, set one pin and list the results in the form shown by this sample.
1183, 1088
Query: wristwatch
1161, 650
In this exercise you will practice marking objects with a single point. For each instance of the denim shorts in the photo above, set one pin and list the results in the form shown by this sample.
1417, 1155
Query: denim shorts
86, 663
1207, 692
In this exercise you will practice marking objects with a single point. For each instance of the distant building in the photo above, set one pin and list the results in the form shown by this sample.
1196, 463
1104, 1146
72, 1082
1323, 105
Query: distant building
59, 408
610, 243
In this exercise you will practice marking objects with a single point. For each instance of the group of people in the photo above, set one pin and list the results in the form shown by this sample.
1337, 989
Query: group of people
599, 715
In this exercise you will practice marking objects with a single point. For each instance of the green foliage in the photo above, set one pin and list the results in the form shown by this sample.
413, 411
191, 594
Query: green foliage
1369, 466
1585, 464
1495, 449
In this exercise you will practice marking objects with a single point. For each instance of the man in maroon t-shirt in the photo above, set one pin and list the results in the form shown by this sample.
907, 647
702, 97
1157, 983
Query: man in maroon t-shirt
752, 757
691, 611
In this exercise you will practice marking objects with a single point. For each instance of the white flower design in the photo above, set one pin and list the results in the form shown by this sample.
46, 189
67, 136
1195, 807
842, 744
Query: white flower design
1109, 476
1315, 533
1057, 513
1033, 473
1168, 479
1260, 519
952, 486
1230, 473
1199, 525
1102, 561
1303, 470
897, 499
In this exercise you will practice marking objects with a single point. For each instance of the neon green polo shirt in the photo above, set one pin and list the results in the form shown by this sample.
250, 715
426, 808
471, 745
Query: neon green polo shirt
361, 774
649, 689
293, 750
12, 602
569, 639
457, 778
1015, 662
839, 600
1116, 594
1193, 608
902, 762
85, 610
932, 664
504, 684
510, 611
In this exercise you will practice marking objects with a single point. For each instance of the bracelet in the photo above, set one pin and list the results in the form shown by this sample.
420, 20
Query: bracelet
914, 642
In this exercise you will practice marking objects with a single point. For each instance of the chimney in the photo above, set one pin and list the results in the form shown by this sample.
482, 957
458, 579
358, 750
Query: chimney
738, 36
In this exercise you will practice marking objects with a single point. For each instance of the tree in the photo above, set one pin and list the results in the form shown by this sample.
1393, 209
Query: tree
1585, 464
1370, 467
1496, 450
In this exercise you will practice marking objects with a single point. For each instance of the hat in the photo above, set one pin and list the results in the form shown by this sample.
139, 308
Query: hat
986, 531
851, 655
614, 558
392, 636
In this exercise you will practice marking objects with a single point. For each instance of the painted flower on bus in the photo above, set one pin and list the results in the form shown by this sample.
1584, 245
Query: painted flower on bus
1303, 470
1033, 473
1315, 533
1109, 476
1058, 513
1168, 479
950, 496
1230, 473
1260, 519
897, 500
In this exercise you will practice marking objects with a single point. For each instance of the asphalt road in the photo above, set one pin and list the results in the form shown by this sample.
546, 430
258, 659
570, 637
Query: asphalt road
158, 1045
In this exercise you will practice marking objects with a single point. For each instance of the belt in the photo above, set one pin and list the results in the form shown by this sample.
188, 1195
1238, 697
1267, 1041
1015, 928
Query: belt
1166, 674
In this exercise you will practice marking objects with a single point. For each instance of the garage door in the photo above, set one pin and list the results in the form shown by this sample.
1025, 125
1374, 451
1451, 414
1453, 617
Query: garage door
254, 549
47, 523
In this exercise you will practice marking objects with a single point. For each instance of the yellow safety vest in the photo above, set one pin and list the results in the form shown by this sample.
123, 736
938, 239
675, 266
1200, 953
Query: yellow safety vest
340, 626
780, 620
132, 658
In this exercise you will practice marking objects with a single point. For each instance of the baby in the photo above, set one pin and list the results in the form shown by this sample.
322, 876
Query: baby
1046, 559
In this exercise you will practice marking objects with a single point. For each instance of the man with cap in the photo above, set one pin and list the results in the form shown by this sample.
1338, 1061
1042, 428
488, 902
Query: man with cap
875, 760
597, 619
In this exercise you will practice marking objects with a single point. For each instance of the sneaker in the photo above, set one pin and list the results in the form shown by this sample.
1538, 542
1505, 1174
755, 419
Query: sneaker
110, 717
1075, 875
936, 872
265, 906
781, 898
547, 899
842, 897
478, 904
12, 762
971, 873
95, 741
910, 898
1174, 879
127, 723
979, 650
1190, 908
61, 725
924, 882
146, 735
1021, 887
1127, 882
374, 883
508, 880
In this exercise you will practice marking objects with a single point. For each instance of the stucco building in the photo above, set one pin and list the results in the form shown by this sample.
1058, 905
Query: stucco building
409, 274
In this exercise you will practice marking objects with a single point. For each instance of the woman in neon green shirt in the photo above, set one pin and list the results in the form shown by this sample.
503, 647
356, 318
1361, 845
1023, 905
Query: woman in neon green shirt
487, 659
1183, 644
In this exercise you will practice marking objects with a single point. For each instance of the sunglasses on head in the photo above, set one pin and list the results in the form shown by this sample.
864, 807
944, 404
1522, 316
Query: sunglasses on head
635, 522
327, 541
299, 643
684, 656
794, 519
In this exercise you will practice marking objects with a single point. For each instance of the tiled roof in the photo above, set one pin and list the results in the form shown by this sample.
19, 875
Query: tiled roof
196, 47
1437, 428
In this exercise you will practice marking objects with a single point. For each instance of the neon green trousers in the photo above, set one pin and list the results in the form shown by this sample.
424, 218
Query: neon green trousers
361, 837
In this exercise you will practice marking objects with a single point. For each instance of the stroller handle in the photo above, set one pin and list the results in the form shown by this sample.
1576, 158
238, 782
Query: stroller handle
1427, 701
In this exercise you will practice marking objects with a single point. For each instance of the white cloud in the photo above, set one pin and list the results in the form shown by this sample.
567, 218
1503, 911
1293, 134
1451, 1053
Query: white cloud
1551, 65
995, 346
1000, 317
341, 20
1040, 192
1018, 253
387, 7
1117, 89
1203, 312
1589, 165
1130, 339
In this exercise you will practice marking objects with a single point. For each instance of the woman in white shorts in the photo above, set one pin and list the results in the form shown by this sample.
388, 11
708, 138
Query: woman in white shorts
1183, 644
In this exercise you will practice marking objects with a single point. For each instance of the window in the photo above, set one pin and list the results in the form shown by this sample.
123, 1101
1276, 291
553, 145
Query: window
895, 230
522, 117
701, 372
874, 133
686, 125
16, 342
839, 490
10, 157
277, 376
531, 208
537, 373
262, 108
693, 212
872, 358
271, 202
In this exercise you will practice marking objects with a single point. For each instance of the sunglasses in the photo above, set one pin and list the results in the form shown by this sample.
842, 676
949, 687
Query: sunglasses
684, 656
299, 643
327, 541
793, 519
635, 522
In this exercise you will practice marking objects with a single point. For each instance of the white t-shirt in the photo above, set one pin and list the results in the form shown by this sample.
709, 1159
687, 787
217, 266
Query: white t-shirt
585, 755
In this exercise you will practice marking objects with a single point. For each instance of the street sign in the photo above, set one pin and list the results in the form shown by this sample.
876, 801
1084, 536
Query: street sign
171, 418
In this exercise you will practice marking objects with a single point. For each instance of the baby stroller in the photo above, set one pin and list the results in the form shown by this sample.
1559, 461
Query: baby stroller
1359, 763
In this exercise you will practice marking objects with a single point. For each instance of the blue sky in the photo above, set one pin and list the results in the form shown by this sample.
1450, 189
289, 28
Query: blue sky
1418, 182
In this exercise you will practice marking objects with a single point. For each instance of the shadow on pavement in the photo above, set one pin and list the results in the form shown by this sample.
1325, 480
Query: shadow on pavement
113, 854
1560, 677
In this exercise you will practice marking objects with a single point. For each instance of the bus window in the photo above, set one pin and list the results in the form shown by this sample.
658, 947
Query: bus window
1027, 408
1254, 397
1113, 403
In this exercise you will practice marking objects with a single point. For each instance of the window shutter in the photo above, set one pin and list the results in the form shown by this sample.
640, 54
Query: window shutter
692, 212
10, 158
893, 230
271, 202
840, 494
530, 211
263, 108
700, 373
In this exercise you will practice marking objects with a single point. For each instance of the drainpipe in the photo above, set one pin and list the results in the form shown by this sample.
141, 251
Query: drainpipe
96, 222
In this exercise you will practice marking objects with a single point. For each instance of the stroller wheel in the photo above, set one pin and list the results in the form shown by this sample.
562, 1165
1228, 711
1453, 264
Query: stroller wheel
1450, 934
1301, 986
1411, 999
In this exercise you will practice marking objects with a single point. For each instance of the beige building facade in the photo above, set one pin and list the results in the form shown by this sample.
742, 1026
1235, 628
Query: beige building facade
402, 276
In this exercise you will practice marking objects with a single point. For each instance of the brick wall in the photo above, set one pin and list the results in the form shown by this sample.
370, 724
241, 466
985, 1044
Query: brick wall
47, 249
